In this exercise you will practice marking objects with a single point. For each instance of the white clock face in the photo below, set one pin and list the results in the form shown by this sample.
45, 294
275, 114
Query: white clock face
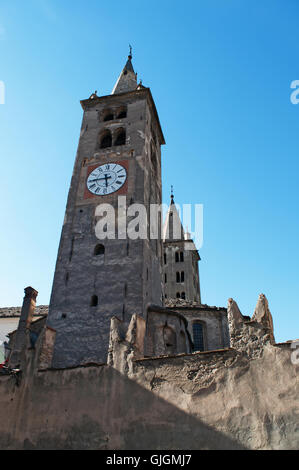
106, 179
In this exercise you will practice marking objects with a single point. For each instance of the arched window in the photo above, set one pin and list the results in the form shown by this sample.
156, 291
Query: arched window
121, 113
165, 278
105, 139
181, 256
178, 277
178, 296
94, 301
165, 258
198, 336
182, 276
177, 257
108, 115
120, 137
183, 295
99, 250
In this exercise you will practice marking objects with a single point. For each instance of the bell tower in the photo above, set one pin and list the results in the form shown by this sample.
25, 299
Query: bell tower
118, 159
180, 260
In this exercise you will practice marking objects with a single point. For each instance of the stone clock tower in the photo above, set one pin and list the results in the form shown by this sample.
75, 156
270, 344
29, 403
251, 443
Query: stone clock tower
118, 155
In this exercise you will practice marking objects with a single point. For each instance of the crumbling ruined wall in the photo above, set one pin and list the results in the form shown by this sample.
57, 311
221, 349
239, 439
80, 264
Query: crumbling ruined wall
237, 398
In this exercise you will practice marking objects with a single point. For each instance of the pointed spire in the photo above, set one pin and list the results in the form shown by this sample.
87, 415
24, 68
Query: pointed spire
127, 81
173, 229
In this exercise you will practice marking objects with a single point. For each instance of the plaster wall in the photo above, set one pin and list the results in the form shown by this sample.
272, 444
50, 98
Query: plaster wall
212, 400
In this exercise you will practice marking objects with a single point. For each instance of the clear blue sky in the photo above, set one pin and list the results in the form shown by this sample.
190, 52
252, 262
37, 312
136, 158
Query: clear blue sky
220, 73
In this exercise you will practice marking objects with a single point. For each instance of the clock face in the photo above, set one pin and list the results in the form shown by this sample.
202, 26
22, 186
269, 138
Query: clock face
106, 179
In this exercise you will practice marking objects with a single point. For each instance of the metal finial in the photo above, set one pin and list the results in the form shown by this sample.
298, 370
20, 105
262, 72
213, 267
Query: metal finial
171, 194
130, 55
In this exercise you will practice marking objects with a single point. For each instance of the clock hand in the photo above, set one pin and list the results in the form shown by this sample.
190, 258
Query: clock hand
106, 178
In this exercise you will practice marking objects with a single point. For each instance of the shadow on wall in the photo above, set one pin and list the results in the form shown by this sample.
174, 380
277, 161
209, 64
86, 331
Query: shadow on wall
97, 408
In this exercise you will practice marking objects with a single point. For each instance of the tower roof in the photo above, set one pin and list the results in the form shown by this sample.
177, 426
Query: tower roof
127, 81
173, 229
